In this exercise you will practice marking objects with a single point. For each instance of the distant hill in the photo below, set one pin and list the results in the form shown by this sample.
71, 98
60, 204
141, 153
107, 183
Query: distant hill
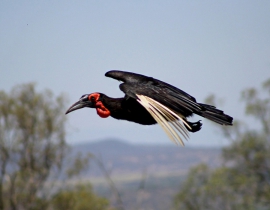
124, 158
162, 167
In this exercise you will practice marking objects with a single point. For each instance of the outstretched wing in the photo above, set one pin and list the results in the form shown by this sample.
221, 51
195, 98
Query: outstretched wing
166, 94
167, 104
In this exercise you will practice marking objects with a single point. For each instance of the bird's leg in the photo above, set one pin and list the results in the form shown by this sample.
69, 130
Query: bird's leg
195, 126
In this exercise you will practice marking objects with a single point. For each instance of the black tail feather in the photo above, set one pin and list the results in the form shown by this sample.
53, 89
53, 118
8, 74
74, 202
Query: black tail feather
216, 115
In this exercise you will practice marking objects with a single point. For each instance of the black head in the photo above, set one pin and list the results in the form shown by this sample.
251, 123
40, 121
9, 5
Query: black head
87, 100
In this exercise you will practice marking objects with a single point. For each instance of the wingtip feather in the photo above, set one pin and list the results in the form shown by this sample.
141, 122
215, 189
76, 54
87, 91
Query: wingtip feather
166, 118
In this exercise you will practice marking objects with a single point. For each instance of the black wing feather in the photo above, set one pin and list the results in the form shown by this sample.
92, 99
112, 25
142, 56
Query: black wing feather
130, 77
162, 92
175, 99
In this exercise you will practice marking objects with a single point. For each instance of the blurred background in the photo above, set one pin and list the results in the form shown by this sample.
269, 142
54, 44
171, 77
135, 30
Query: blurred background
210, 49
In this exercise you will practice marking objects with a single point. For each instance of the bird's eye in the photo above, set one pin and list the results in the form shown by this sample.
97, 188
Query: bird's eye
92, 98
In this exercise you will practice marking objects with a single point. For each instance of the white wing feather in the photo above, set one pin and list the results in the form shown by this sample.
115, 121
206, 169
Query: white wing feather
166, 118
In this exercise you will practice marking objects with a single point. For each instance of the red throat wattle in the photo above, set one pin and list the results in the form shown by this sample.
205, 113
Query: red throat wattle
102, 111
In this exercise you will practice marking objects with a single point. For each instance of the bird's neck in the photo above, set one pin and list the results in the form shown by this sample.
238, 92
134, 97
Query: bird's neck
112, 104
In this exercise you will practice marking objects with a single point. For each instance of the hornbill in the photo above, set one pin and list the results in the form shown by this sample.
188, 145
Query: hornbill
148, 101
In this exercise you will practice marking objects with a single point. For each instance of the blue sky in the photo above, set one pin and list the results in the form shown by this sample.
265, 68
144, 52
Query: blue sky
202, 47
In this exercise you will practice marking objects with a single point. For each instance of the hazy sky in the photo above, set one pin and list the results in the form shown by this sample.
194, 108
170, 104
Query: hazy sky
202, 47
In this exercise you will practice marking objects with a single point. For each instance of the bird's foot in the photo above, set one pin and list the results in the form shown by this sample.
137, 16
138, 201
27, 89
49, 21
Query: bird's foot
195, 126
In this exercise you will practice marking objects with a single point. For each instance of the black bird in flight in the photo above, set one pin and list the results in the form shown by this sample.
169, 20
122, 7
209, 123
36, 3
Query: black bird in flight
148, 101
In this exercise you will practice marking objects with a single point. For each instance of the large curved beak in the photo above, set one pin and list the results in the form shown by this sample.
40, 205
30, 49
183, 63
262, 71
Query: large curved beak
79, 105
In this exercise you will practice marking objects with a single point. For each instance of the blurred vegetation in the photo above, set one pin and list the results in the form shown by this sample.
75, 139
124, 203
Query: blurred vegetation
80, 197
35, 164
243, 181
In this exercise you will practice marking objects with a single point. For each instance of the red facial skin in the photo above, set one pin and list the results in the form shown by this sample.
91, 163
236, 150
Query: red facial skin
102, 111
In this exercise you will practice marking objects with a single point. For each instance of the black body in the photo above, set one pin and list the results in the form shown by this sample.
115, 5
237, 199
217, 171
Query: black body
127, 109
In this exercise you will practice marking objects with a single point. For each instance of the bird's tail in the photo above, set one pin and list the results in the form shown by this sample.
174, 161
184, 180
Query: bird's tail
216, 115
